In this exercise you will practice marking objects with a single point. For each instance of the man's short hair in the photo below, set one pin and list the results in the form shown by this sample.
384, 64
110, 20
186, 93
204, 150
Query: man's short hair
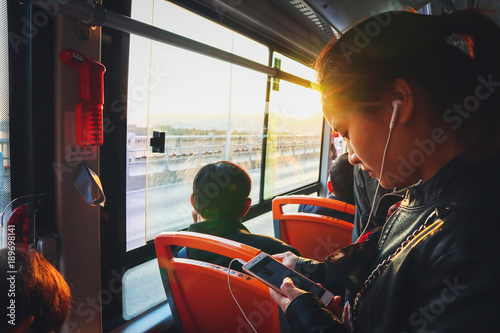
37, 289
220, 190
342, 178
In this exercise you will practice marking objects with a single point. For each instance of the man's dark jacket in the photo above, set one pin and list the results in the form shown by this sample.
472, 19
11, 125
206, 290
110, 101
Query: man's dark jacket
234, 230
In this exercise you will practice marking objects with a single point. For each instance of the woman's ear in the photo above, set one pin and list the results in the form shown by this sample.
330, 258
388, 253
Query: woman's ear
402, 90
192, 200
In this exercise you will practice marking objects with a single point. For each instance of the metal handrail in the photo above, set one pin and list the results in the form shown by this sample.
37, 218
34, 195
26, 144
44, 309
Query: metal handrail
97, 15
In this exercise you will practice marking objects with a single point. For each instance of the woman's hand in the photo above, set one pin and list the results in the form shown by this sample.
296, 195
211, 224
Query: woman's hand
287, 258
291, 292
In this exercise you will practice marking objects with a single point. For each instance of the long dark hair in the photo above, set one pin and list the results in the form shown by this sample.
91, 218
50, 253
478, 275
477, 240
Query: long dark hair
355, 69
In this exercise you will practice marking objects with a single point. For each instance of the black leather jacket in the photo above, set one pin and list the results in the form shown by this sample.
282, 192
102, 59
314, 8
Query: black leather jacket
444, 279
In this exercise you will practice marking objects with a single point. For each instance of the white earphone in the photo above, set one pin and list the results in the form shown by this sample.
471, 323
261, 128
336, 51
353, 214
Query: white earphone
396, 104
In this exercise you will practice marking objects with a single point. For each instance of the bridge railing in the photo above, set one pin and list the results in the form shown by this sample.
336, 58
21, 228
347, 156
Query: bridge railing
182, 147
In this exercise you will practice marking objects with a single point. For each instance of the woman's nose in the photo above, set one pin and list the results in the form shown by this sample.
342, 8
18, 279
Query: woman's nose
352, 157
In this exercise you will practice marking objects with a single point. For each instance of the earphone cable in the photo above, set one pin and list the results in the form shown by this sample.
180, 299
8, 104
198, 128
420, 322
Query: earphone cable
234, 298
378, 185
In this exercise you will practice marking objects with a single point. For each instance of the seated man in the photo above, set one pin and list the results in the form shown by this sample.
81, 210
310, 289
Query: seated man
341, 187
35, 296
221, 199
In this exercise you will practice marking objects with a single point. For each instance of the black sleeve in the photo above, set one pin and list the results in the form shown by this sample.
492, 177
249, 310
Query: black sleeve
306, 313
319, 272
312, 269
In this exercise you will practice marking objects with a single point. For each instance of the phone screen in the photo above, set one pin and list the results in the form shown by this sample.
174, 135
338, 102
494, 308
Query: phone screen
274, 272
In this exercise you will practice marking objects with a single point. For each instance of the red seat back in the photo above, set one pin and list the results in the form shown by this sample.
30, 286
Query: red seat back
198, 292
315, 236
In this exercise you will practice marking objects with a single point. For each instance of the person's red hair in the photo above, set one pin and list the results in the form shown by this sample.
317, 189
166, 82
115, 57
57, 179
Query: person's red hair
41, 291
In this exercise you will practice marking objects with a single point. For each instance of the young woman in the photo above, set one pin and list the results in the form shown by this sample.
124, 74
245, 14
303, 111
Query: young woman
419, 109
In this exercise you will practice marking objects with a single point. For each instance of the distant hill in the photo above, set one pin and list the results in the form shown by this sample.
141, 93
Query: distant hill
251, 124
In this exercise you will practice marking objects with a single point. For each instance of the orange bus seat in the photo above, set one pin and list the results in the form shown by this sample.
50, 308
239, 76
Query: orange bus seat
315, 236
198, 292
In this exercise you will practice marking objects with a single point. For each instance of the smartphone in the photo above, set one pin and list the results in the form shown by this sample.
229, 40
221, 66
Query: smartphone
272, 272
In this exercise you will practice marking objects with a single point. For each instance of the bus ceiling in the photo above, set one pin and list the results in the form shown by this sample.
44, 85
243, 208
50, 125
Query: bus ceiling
304, 26
322, 18
342, 14
301, 26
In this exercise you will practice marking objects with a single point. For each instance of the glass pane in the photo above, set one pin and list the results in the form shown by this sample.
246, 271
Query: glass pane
294, 133
142, 289
177, 20
5, 196
263, 225
209, 110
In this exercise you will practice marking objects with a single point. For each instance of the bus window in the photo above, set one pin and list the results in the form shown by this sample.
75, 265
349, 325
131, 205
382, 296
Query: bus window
208, 110
294, 132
